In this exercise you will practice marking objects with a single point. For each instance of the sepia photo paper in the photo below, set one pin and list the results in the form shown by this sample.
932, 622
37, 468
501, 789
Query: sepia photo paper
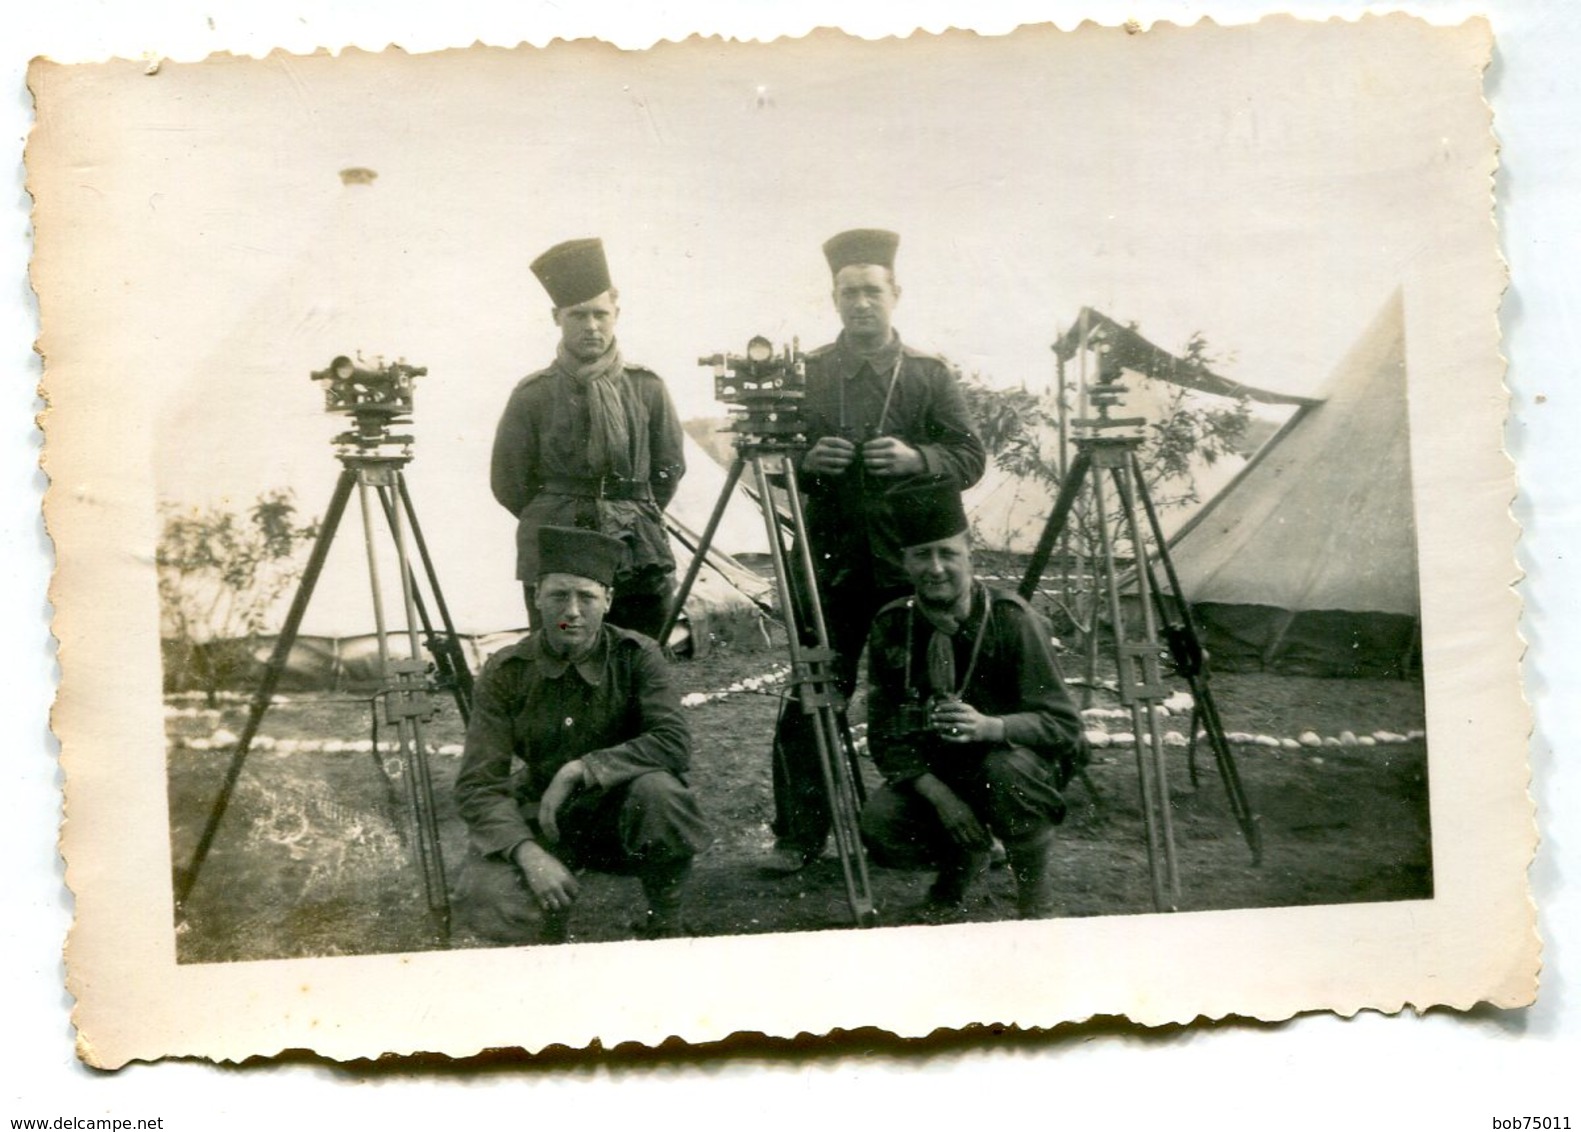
1264, 257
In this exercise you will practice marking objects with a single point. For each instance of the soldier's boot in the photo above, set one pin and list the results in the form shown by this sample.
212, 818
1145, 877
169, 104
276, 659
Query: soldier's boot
664, 885
1031, 862
950, 887
788, 858
555, 927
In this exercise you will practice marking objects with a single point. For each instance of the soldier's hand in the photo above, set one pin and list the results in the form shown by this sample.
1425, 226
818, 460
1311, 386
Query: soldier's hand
561, 787
959, 722
829, 456
957, 817
550, 882
891, 456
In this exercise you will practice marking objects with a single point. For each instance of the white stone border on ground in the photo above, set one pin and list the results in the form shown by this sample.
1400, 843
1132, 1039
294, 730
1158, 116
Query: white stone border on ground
772, 682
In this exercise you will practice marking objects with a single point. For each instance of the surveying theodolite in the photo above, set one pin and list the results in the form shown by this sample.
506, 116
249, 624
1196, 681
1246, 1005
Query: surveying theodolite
376, 397
1152, 627
764, 389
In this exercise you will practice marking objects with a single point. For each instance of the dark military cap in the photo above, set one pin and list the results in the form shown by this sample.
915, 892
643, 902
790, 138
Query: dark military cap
861, 245
927, 511
573, 272
571, 550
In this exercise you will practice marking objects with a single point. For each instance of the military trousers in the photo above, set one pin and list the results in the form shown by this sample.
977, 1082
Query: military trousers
649, 826
1010, 789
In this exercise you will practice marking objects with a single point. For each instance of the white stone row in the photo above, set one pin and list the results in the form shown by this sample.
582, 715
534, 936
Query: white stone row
192, 712
222, 697
773, 680
1098, 737
1120, 713
224, 742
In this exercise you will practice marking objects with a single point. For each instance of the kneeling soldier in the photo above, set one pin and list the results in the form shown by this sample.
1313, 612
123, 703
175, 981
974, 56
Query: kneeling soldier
573, 760
968, 718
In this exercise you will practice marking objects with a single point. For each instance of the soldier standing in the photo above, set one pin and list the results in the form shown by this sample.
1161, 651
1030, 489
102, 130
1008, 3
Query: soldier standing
592, 441
881, 414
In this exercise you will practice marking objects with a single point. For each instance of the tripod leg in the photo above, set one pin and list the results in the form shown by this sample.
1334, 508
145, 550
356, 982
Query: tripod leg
1197, 677
813, 679
412, 708
1056, 523
1148, 700
459, 671
188, 877
1191, 745
700, 552
449, 659
388, 502
1229, 772
409, 707
844, 771
848, 744
1095, 599
376, 591
1144, 769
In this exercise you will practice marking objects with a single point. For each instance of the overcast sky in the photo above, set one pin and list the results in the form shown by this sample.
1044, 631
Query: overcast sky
1269, 187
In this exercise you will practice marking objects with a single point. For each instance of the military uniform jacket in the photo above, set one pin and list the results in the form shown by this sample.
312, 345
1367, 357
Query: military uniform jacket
1014, 676
543, 437
533, 712
849, 522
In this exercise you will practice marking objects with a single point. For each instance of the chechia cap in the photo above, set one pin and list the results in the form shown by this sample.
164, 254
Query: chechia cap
587, 554
861, 245
573, 272
927, 512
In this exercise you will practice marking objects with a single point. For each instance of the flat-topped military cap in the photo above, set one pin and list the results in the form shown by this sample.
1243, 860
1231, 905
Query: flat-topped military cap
586, 554
573, 272
861, 245
927, 511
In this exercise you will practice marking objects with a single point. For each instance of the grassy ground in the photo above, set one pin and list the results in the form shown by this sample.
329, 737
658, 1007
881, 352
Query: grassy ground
314, 858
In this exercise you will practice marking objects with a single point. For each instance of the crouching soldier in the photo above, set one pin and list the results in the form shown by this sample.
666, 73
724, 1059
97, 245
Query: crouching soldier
968, 719
573, 759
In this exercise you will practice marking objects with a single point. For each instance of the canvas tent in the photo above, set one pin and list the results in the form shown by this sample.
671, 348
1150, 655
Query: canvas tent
1307, 562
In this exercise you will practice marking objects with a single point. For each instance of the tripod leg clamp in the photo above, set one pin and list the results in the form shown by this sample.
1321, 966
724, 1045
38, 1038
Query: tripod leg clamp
1140, 676
813, 682
408, 698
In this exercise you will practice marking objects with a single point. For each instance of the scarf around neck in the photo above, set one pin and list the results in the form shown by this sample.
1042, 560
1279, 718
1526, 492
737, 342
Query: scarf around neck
612, 417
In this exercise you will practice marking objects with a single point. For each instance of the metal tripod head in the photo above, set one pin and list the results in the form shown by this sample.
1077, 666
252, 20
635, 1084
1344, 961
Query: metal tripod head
1104, 394
764, 390
377, 396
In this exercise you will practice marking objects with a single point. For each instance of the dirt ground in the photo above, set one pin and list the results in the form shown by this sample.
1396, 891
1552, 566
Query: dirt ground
314, 856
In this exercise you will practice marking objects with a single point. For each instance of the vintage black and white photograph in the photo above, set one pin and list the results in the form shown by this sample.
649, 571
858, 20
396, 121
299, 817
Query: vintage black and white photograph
730, 504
